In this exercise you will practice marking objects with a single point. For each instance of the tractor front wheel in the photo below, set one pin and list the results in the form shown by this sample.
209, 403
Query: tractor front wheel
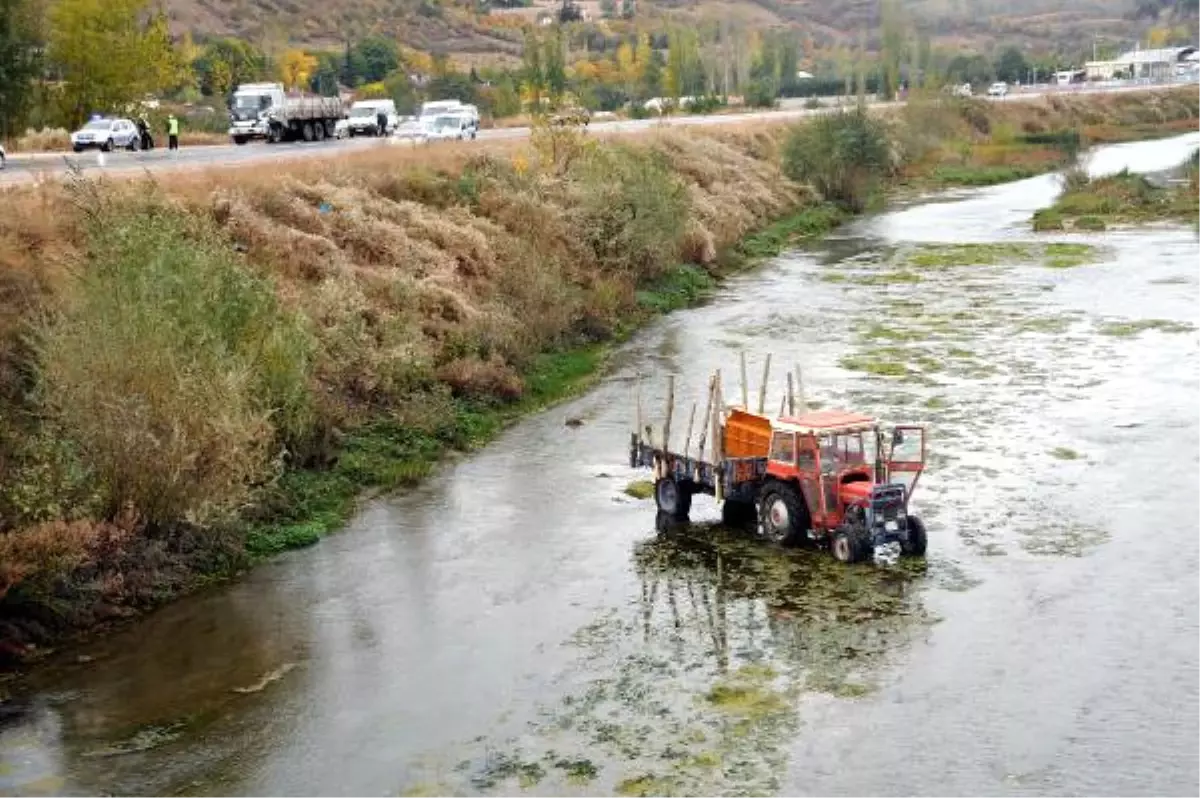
914, 545
673, 498
847, 546
782, 516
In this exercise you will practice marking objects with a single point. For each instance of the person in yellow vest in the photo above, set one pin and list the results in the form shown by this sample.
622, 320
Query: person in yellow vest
172, 132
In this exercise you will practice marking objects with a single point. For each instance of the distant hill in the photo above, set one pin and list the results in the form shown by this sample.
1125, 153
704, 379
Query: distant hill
453, 26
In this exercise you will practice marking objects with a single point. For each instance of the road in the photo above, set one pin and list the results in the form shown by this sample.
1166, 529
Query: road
29, 168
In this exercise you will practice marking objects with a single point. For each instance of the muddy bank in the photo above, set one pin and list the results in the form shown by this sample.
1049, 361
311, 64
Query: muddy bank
307, 337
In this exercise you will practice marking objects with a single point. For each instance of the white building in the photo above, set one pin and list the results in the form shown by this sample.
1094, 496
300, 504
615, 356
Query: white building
1160, 62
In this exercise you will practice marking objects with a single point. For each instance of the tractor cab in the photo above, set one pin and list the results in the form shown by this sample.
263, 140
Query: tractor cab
850, 475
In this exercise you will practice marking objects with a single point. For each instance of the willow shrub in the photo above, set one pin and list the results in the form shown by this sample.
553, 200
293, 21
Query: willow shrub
845, 156
172, 368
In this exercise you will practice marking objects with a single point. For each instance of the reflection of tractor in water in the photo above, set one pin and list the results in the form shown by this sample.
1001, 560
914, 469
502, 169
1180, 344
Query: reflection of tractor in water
830, 478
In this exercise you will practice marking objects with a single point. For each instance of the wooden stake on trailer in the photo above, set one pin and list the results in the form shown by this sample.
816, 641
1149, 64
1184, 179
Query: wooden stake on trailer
687, 443
762, 392
791, 397
718, 446
802, 404
670, 412
638, 419
745, 383
707, 423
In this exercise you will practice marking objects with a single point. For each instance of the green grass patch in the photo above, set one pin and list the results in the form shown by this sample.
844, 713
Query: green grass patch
1064, 453
640, 489
1066, 256
967, 175
811, 222
681, 288
1095, 204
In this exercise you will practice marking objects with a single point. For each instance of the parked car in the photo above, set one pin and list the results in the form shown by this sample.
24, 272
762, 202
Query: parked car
450, 126
106, 135
410, 129
963, 90
998, 89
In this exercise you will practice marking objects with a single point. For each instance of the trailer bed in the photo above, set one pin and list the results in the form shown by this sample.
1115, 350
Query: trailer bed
737, 475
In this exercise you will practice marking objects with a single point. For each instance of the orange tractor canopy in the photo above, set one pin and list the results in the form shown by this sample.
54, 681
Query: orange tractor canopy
829, 477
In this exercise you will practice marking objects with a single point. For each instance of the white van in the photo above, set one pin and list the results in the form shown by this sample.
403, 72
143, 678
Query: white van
436, 108
364, 118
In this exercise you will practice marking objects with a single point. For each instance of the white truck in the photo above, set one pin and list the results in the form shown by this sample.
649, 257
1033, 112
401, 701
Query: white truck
266, 111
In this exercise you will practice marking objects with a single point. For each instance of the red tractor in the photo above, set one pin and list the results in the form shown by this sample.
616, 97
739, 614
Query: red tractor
829, 478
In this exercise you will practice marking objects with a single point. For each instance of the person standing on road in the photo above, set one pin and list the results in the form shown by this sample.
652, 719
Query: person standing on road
172, 132
380, 123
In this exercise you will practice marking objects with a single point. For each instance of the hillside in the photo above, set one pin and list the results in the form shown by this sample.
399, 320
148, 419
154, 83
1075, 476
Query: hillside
455, 28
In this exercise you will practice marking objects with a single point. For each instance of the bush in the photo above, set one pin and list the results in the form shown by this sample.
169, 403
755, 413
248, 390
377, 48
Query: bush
761, 93
633, 210
171, 368
844, 156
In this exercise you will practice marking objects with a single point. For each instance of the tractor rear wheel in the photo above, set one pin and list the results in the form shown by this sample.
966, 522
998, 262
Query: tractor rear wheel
915, 545
782, 516
849, 546
737, 513
673, 498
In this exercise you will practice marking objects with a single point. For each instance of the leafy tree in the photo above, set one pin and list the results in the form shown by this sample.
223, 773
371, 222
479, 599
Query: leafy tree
402, 91
374, 58
628, 9
224, 63
608, 8
109, 54
974, 69
1011, 66
20, 61
533, 71
296, 68
324, 79
893, 44
554, 60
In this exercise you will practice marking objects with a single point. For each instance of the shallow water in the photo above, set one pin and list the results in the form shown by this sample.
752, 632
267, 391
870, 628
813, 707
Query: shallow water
519, 624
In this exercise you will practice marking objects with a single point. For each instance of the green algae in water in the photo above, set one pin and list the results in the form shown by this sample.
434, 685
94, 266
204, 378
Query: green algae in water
646, 785
950, 255
1068, 256
900, 277
1069, 539
873, 365
640, 489
578, 771
1127, 329
1064, 453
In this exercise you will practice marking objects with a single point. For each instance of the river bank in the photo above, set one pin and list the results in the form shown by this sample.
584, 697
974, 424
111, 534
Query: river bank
245, 355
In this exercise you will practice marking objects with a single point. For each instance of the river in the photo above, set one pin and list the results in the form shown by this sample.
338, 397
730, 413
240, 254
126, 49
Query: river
518, 625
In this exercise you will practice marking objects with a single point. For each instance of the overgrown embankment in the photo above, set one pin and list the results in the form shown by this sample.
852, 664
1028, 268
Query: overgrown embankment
1124, 199
195, 375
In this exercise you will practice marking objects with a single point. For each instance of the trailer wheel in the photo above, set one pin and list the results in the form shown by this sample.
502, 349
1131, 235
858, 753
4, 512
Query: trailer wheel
847, 546
307, 131
782, 516
737, 513
319, 131
915, 544
673, 498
